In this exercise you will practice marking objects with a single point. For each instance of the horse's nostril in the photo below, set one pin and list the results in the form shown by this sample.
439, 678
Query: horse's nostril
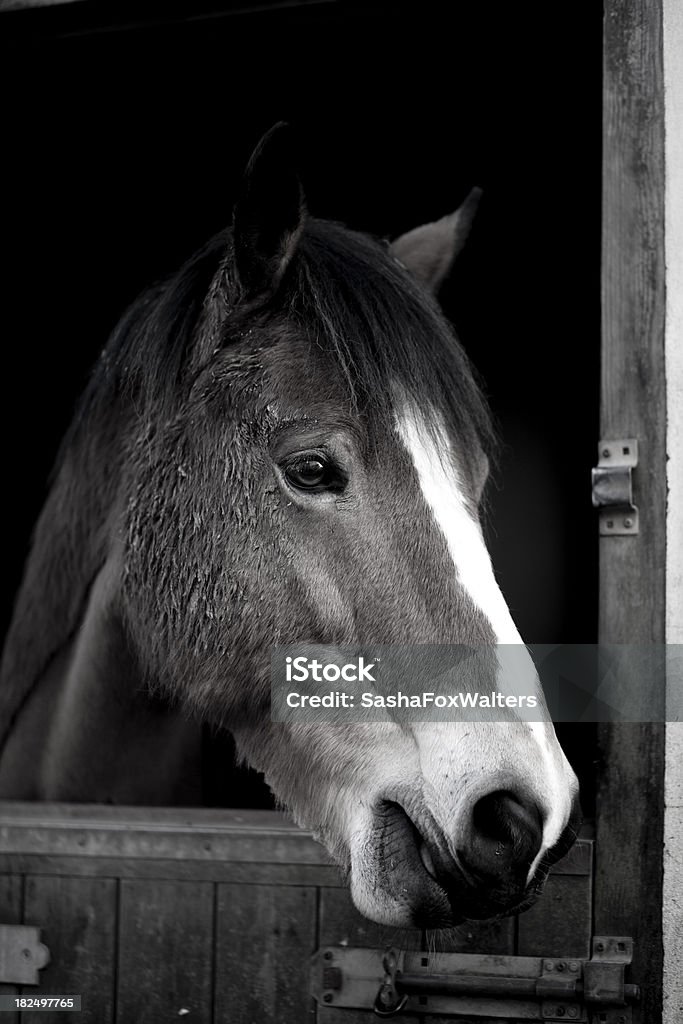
507, 832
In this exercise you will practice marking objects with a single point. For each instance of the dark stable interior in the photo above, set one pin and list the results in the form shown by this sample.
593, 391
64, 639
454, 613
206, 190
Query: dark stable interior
126, 127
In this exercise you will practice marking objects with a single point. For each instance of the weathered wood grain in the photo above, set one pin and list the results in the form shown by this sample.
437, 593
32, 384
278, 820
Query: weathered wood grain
77, 917
265, 937
251, 836
165, 954
560, 923
628, 886
190, 870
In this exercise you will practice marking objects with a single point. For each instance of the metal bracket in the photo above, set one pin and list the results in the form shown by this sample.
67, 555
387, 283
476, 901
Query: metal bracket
22, 954
603, 978
505, 987
613, 487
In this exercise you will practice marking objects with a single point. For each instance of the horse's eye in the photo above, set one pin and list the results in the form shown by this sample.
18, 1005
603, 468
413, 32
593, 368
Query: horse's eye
313, 473
307, 473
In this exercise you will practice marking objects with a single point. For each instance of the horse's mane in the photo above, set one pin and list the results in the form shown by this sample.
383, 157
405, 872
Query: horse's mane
151, 342
345, 290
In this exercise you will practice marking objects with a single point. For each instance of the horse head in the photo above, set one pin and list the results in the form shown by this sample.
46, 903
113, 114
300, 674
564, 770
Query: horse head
333, 450
296, 452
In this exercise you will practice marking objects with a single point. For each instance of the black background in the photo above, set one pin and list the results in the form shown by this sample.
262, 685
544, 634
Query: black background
125, 129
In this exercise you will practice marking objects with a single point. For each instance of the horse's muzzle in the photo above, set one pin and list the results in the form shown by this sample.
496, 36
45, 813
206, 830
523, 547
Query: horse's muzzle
486, 875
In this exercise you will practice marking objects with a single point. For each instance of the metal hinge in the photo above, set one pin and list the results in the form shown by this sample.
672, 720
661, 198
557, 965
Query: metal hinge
22, 954
506, 987
613, 486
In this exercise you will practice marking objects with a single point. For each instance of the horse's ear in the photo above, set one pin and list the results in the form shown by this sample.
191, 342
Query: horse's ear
269, 213
429, 251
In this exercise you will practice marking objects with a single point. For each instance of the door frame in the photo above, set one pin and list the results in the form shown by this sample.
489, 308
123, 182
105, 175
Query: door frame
639, 826
673, 780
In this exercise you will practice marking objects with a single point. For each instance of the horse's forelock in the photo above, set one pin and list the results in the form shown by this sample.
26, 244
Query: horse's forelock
387, 335
383, 332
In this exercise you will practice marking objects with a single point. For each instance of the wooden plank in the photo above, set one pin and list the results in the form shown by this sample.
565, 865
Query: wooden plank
629, 828
189, 870
560, 924
166, 956
159, 833
78, 921
204, 819
11, 899
265, 936
633, 370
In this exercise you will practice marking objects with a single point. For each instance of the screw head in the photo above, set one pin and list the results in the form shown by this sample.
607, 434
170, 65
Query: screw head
600, 946
327, 998
549, 965
606, 452
560, 1011
628, 523
572, 1012
327, 954
573, 966
560, 966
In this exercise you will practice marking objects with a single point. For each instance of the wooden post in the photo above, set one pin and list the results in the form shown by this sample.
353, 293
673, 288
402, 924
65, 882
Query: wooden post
673, 790
630, 803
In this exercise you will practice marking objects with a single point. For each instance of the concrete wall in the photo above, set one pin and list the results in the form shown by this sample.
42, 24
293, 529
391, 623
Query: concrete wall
673, 821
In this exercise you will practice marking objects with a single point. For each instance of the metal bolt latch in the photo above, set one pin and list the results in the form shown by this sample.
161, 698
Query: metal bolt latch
553, 989
613, 487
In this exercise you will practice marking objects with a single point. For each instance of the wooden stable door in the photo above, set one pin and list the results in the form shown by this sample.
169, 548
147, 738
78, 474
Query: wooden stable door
225, 917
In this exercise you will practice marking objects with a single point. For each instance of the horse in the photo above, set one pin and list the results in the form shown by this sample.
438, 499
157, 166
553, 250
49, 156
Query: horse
281, 442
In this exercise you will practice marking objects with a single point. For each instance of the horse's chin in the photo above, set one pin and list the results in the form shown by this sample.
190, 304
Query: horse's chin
390, 878
398, 878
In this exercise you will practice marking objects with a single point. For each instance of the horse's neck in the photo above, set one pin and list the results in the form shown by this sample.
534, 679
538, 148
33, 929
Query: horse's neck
90, 730
76, 721
68, 549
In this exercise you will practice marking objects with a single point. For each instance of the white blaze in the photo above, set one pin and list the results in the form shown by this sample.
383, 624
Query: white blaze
444, 494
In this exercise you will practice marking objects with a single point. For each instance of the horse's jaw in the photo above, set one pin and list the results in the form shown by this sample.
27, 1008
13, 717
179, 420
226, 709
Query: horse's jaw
402, 875
433, 824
